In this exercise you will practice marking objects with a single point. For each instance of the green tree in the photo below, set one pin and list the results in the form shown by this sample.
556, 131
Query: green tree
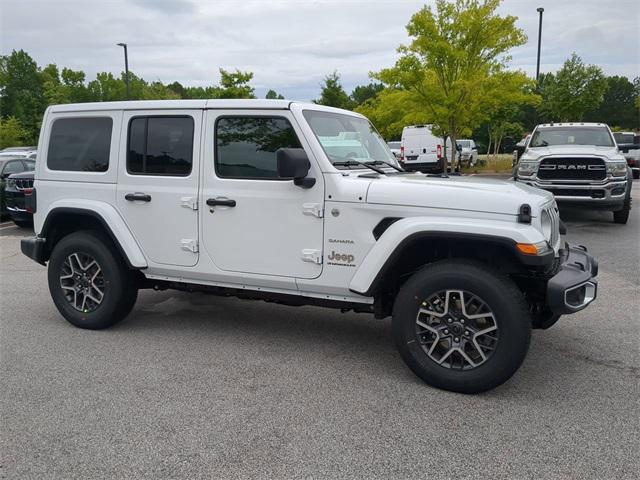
362, 93
273, 95
178, 89
234, 85
21, 92
12, 134
502, 106
453, 53
617, 108
573, 91
332, 94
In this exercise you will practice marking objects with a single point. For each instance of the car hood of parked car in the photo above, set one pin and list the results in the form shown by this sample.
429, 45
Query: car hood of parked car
537, 152
456, 193
22, 175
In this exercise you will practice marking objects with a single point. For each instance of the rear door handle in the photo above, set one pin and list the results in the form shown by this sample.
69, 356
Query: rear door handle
226, 202
137, 197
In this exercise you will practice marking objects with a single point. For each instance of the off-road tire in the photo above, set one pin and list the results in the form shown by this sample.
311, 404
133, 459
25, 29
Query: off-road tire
120, 286
500, 294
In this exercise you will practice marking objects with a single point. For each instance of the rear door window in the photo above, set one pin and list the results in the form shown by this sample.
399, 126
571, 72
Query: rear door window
80, 144
160, 146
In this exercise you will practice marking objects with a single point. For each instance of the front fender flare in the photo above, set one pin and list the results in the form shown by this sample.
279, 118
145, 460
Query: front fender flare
401, 233
110, 219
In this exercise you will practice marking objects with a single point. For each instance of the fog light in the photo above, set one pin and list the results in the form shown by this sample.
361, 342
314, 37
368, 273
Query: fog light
580, 295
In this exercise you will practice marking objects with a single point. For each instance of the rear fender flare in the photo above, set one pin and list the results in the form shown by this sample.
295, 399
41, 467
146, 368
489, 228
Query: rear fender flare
110, 220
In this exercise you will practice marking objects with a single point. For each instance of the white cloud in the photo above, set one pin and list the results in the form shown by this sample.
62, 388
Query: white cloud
289, 45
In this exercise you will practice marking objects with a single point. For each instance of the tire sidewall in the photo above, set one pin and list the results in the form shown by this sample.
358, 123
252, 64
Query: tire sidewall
514, 328
94, 246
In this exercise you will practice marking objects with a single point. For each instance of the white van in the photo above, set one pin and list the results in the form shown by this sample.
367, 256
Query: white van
421, 150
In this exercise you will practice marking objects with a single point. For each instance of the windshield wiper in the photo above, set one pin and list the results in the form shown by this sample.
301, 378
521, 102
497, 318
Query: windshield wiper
395, 167
356, 163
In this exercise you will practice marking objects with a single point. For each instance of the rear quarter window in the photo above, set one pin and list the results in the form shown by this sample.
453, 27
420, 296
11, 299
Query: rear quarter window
80, 144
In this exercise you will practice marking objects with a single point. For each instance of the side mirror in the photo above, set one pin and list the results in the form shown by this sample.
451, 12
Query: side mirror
294, 163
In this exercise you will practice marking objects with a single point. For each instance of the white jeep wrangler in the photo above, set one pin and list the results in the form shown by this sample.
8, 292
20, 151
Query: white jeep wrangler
302, 205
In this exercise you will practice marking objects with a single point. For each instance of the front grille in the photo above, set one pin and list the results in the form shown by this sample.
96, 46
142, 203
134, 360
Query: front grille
23, 183
572, 169
578, 192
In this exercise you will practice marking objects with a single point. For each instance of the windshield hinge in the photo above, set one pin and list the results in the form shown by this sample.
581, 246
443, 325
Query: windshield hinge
189, 244
314, 209
189, 202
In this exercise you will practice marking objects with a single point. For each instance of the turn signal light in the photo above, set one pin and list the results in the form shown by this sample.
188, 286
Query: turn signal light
533, 248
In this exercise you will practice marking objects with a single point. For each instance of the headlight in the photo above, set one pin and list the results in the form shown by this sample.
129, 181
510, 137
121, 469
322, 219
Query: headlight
527, 168
617, 169
547, 225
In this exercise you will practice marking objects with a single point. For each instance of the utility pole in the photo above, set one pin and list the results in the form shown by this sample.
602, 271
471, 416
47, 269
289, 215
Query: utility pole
126, 65
540, 10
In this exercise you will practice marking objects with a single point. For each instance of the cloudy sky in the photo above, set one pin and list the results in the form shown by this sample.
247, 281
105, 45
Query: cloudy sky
290, 45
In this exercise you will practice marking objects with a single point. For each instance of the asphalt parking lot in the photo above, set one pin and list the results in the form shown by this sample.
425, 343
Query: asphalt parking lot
204, 387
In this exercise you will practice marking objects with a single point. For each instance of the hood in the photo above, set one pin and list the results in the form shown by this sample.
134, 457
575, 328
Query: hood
537, 152
23, 175
478, 194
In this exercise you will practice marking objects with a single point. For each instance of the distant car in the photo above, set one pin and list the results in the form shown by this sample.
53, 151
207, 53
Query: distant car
8, 166
22, 152
629, 145
395, 148
521, 146
468, 152
17, 187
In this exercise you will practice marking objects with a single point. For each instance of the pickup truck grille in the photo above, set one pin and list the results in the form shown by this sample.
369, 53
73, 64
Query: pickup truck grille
572, 169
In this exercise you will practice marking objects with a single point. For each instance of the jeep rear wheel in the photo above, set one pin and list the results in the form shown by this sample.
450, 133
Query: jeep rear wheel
461, 327
89, 283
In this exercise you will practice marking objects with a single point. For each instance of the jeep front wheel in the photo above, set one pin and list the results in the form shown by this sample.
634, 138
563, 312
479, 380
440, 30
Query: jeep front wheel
88, 281
461, 326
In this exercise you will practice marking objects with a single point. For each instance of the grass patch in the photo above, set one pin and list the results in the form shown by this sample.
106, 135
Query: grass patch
500, 163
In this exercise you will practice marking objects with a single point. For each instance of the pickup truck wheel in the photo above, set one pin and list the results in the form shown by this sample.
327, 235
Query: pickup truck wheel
622, 216
89, 283
460, 326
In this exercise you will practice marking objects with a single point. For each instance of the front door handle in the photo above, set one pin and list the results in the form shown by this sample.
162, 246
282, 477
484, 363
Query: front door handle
226, 202
137, 197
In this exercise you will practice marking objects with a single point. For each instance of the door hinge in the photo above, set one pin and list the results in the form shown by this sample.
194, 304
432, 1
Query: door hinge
312, 256
314, 209
189, 202
189, 244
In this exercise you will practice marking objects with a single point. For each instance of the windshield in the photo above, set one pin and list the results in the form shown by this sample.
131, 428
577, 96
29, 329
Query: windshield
464, 143
345, 137
597, 136
395, 145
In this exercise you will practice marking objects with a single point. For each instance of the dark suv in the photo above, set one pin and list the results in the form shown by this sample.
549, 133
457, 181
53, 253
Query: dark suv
15, 174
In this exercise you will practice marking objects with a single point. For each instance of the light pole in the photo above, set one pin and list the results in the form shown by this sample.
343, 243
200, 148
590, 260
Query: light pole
540, 10
126, 67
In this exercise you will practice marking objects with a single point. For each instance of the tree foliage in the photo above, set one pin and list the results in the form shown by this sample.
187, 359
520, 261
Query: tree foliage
617, 108
332, 94
273, 95
12, 133
573, 91
446, 70
26, 90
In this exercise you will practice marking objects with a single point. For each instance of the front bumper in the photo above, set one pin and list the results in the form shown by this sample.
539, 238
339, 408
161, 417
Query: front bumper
610, 191
574, 286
